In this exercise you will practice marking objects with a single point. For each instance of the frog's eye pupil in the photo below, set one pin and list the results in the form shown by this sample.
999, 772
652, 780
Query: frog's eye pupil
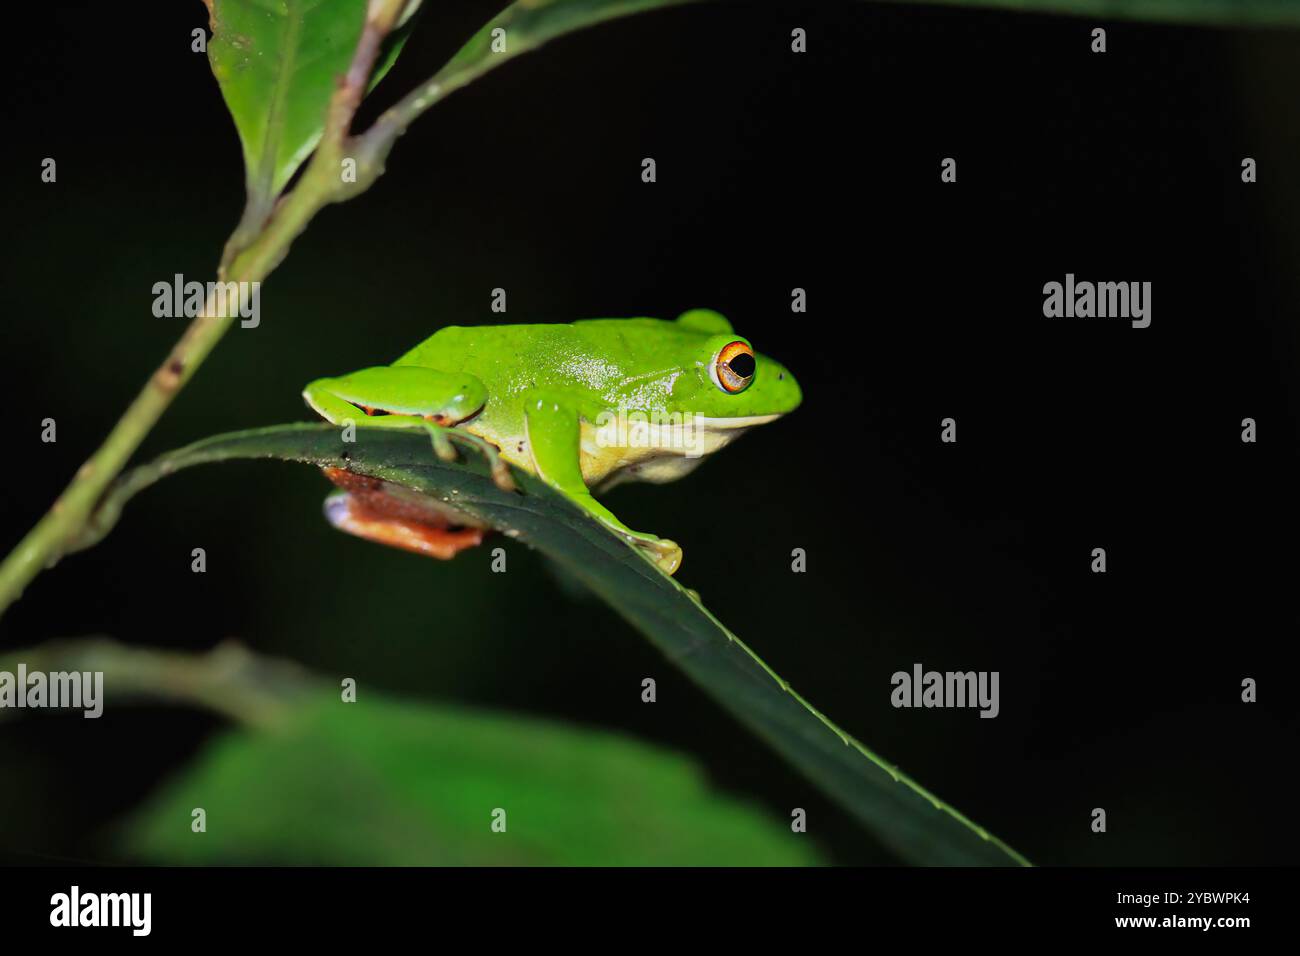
742, 364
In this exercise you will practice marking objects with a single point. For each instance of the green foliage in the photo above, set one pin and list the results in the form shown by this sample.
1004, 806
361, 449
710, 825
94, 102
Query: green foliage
902, 814
425, 776
384, 782
277, 63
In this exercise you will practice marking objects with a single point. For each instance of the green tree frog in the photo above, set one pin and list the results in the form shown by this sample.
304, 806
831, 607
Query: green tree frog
583, 406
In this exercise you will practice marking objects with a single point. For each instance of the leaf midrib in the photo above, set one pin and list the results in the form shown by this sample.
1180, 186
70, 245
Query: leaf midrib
294, 11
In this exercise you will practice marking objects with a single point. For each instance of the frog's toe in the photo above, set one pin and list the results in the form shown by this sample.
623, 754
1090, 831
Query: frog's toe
442, 446
667, 555
500, 470
501, 476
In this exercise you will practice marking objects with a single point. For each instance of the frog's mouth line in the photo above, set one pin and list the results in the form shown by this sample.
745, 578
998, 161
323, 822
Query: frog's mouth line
728, 424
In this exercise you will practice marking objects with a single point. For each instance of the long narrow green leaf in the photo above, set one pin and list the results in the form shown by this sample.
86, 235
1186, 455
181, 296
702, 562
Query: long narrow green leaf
528, 24
917, 825
1222, 12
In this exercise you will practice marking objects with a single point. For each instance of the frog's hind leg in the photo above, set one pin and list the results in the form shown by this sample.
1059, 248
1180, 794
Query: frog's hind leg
369, 399
380, 512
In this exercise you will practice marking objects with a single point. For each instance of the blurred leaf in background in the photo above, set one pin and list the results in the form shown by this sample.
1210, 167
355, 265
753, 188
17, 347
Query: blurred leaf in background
391, 782
312, 775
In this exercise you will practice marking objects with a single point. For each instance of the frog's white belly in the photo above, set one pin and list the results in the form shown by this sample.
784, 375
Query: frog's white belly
632, 449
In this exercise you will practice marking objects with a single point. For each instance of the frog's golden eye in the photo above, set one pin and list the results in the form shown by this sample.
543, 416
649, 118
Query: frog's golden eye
734, 367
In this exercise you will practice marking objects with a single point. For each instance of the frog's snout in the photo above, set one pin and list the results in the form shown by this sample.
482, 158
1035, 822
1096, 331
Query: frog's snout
783, 391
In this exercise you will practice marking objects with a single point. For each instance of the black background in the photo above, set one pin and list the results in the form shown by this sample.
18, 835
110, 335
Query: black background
775, 171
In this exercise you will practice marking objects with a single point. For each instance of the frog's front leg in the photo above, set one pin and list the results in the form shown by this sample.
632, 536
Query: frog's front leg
410, 396
555, 440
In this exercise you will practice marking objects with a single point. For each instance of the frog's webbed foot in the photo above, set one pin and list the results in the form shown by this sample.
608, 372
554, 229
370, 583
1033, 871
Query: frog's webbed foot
663, 552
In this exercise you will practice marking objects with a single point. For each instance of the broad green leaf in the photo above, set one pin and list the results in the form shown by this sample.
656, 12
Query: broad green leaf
309, 779
903, 815
277, 63
385, 782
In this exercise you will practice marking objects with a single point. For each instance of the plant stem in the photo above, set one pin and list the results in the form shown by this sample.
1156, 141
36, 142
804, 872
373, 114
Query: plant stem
47, 542
261, 241
526, 27
228, 679
321, 184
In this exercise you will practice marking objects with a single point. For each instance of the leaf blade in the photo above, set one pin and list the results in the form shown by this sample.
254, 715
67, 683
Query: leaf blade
1215, 12
429, 779
277, 63
306, 778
